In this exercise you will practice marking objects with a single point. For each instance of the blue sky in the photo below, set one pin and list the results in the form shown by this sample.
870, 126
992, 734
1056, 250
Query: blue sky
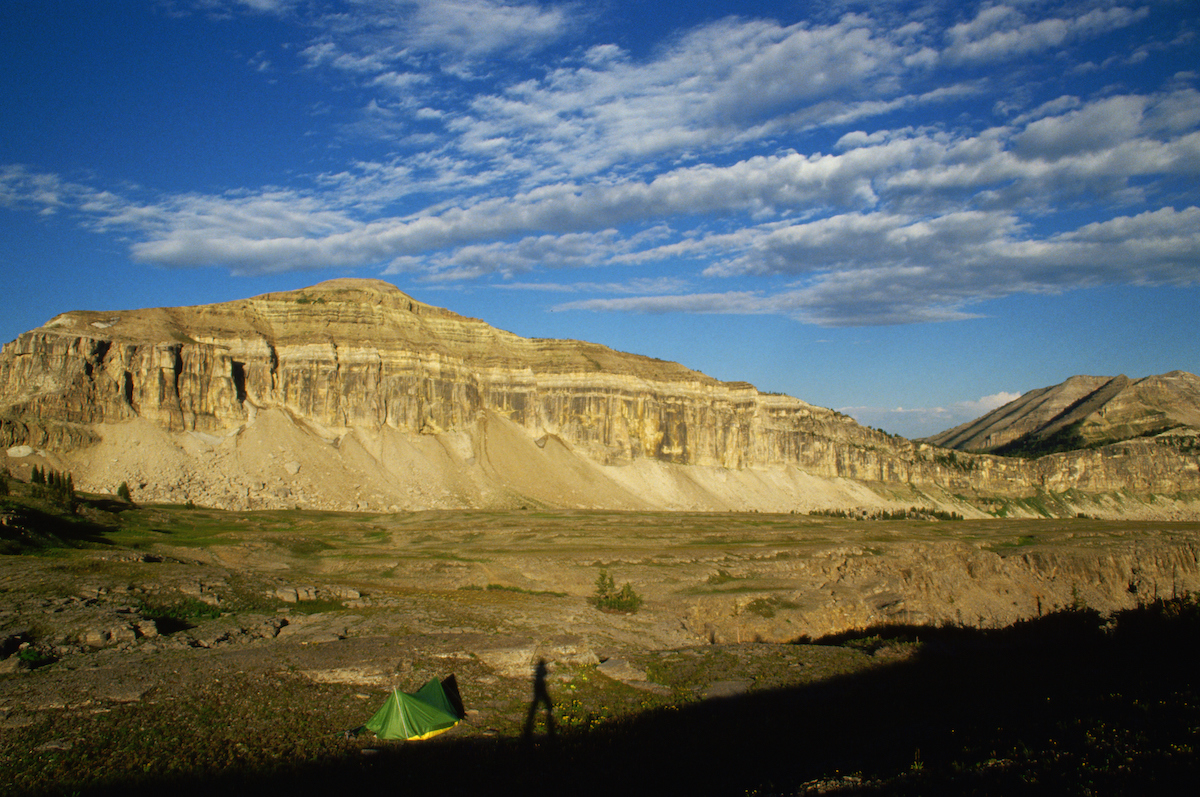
910, 212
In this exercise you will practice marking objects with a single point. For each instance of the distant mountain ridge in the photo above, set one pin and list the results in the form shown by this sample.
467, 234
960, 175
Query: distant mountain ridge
1082, 412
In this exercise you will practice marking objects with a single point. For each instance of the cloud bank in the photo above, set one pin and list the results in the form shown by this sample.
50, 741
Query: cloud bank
859, 170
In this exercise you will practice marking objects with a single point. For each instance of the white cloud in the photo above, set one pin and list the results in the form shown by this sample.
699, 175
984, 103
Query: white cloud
865, 269
724, 84
886, 204
680, 159
928, 421
1101, 125
1005, 31
480, 27
376, 36
890, 249
573, 250
733, 303
1058, 105
650, 285
986, 404
912, 422
227, 8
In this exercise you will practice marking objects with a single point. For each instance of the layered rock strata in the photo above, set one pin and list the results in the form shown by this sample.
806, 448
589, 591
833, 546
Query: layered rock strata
358, 360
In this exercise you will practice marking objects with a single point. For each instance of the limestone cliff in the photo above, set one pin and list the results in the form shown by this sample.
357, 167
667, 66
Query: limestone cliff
360, 354
400, 404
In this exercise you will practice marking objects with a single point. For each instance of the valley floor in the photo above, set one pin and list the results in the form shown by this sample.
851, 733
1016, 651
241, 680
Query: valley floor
190, 649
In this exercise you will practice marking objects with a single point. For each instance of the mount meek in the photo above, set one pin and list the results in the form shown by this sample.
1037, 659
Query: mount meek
351, 395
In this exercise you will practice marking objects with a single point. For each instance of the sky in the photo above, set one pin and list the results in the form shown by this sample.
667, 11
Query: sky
911, 212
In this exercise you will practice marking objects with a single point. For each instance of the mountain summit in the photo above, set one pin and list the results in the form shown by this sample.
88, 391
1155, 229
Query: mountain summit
351, 394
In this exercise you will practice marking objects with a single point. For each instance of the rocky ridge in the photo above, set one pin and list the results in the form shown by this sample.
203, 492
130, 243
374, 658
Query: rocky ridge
351, 394
1082, 412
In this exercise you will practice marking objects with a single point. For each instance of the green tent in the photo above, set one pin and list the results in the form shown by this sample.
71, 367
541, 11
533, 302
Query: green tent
419, 715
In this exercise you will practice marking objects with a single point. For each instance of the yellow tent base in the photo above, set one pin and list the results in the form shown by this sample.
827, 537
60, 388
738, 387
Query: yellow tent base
430, 735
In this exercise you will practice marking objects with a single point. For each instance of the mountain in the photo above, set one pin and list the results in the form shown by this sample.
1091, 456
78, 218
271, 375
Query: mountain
1082, 412
353, 395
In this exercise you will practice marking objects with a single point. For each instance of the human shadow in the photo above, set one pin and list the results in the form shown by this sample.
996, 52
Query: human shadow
541, 700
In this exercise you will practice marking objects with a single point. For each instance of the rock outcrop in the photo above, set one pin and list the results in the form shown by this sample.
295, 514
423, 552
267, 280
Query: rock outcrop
1084, 411
386, 402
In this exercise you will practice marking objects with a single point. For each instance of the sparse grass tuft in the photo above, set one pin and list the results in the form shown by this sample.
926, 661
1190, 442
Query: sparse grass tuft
720, 577
518, 590
175, 615
767, 607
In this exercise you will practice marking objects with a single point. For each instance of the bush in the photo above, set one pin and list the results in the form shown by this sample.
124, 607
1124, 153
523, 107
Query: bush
123, 493
610, 599
31, 658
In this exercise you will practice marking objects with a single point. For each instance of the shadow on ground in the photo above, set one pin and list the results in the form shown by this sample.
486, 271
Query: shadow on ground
28, 526
1070, 703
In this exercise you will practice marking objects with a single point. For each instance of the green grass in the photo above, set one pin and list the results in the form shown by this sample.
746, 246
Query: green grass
1023, 541
34, 658
192, 528
319, 606
307, 547
767, 607
177, 614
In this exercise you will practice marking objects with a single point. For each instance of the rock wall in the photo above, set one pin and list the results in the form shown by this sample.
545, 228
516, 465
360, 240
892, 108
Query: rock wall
44, 434
359, 354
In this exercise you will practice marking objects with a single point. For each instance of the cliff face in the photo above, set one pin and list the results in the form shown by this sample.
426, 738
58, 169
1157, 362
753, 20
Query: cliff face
352, 353
358, 358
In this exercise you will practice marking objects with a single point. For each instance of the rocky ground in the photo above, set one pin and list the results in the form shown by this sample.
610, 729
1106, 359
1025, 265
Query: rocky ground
145, 647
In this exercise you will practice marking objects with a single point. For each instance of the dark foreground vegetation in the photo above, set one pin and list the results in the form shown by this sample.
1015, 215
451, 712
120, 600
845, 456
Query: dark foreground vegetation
1069, 703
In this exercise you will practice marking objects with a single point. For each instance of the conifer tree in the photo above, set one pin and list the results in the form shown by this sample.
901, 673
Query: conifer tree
604, 586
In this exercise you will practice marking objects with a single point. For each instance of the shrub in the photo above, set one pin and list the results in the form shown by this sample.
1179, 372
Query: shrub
610, 599
123, 493
31, 658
